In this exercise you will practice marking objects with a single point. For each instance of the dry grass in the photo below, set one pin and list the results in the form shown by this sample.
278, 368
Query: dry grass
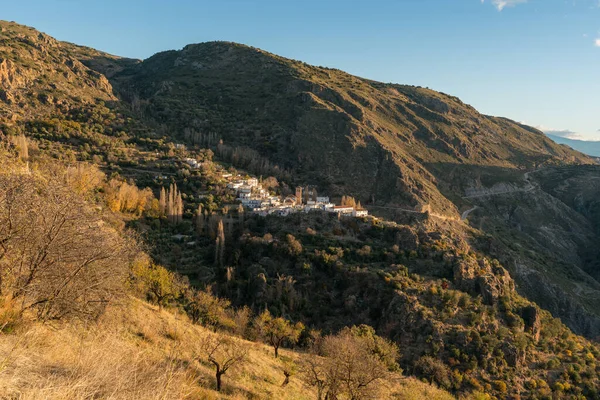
138, 352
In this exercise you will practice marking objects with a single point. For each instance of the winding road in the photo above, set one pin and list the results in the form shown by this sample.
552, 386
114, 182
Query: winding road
465, 215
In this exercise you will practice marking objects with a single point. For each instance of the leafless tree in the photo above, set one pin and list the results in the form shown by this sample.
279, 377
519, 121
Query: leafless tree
350, 364
57, 257
224, 353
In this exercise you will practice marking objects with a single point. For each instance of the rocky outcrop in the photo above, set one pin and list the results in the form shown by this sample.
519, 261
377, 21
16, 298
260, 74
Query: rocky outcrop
11, 75
532, 320
479, 277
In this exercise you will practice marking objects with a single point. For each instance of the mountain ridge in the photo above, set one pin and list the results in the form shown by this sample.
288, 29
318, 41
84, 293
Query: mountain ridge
410, 125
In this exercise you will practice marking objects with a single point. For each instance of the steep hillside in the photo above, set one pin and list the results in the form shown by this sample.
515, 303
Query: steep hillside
139, 352
386, 144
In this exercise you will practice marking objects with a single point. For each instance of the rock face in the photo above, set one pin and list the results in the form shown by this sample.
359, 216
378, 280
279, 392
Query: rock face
478, 277
532, 319
38, 73
9, 76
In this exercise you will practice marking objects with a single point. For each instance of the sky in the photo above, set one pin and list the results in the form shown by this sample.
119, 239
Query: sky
534, 61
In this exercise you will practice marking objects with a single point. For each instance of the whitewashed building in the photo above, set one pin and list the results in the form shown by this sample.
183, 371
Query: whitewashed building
192, 163
252, 203
252, 182
360, 213
245, 189
341, 209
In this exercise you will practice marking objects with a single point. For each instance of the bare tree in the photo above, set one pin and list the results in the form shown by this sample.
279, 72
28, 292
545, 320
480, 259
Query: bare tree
224, 353
321, 373
350, 363
57, 257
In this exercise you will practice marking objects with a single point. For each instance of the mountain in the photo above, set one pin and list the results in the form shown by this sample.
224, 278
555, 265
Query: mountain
385, 143
481, 223
590, 148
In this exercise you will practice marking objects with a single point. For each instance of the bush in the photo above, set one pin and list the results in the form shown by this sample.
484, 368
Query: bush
434, 370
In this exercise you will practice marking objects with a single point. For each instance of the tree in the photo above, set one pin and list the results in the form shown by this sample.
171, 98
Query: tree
57, 257
220, 244
163, 202
434, 370
159, 284
321, 373
224, 353
240, 211
20, 142
357, 366
199, 220
294, 247
350, 363
276, 331
209, 310
242, 318
174, 204
289, 369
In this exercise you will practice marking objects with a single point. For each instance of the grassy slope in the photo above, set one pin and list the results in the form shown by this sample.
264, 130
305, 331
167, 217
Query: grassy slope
139, 352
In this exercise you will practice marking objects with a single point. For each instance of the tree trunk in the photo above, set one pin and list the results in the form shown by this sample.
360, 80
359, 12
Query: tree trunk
287, 379
218, 375
276, 351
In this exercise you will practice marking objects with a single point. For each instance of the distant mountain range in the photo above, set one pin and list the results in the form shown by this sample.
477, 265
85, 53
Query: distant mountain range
586, 147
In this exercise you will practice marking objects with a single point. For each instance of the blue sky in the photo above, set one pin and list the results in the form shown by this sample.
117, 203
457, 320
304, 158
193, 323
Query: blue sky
535, 61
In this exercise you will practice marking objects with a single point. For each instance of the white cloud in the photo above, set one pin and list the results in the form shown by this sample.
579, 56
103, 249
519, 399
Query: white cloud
565, 133
502, 4
597, 42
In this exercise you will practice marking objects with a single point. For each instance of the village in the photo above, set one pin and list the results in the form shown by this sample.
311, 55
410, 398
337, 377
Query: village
250, 192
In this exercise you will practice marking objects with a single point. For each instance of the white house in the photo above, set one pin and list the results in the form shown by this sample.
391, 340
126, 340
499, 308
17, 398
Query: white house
322, 200
252, 203
244, 196
252, 182
342, 209
245, 189
191, 162
361, 212
234, 185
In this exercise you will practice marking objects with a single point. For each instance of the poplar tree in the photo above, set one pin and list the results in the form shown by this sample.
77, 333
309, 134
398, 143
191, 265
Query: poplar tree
162, 202
199, 220
220, 244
